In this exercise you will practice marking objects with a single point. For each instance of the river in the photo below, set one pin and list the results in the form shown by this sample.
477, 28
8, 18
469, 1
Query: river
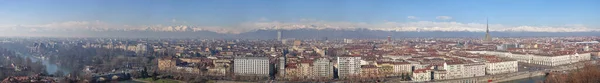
51, 68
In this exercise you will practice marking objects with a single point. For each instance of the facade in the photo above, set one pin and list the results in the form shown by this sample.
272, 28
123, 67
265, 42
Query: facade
166, 64
292, 72
395, 68
421, 75
548, 60
191, 70
387, 71
348, 66
460, 70
454, 70
402, 68
297, 42
217, 71
141, 48
306, 70
370, 72
251, 66
281, 66
501, 67
323, 68
191, 60
439, 75
474, 70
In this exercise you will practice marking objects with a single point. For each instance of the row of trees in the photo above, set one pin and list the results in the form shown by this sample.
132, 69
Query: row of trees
590, 73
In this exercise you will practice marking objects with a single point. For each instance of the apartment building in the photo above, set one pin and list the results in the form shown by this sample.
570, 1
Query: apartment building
348, 66
258, 66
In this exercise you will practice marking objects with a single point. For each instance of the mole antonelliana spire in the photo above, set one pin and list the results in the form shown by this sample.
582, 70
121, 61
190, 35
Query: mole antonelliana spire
487, 31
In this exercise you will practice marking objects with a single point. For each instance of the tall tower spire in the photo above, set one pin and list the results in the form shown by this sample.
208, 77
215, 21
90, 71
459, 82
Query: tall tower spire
487, 26
487, 31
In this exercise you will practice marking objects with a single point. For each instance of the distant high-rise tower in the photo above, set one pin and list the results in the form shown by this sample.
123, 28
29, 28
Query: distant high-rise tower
487, 31
278, 35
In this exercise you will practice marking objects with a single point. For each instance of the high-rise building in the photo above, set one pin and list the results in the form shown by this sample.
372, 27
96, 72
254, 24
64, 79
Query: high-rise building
255, 66
282, 62
348, 66
278, 35
323, 68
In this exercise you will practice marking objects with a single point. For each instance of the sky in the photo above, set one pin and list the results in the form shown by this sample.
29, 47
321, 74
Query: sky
506, 15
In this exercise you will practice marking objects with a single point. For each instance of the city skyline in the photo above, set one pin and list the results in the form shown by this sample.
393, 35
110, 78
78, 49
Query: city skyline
230, 17
280, 41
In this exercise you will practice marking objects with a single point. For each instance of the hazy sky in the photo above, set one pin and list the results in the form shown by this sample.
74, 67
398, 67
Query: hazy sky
232, 13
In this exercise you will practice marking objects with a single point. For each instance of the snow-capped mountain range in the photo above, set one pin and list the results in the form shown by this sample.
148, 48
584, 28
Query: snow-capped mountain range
265, 30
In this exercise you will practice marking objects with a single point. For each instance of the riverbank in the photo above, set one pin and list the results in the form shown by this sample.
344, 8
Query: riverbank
537, 79
51, 68
150, 80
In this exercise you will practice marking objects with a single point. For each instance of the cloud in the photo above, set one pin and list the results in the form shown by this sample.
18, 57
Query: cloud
68, 25
412, 17
443, 17
412, 26
299, 24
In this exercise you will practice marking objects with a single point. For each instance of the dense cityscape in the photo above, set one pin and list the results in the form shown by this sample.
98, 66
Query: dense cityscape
292, 60
299, 41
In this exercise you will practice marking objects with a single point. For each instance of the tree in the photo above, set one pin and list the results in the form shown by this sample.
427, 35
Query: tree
587, 74
58, 73
144, 73
154, 76
402, 76
408, 77
2, 76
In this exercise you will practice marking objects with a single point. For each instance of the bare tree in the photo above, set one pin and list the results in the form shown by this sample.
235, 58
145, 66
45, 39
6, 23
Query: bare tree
587, 74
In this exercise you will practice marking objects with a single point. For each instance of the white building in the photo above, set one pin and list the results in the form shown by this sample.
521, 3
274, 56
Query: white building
141, 48
251, 66
474, 70
402, 67
282, 62
553, 60
323, 68
440, 75
501, 67
463, 70
421, 75
348, 41
348, 66
454, 70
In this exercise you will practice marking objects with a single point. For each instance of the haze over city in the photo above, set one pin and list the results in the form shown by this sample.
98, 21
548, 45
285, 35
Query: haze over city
299, 41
